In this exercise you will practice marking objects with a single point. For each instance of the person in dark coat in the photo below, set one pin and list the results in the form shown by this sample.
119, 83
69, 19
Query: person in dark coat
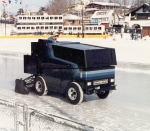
54, 37
78, 35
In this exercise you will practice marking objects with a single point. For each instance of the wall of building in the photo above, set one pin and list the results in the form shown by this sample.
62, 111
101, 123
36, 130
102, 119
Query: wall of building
140, 22
146, 31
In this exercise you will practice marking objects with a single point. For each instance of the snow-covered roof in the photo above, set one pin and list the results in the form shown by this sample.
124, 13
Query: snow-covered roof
102, 14
105, 3
71, 17
137, 8
91, 9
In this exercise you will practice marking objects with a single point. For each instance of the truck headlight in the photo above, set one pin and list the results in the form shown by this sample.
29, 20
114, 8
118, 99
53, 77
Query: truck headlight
89, 83
112, 80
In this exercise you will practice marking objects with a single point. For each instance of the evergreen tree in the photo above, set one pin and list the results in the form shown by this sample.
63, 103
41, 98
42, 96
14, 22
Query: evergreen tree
20, 11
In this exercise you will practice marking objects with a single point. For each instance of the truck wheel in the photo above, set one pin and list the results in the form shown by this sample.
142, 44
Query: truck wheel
40, 86
74, 93
103, 94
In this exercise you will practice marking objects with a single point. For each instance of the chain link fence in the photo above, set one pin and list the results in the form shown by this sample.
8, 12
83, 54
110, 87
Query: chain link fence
7, 116
17, 117
43, 122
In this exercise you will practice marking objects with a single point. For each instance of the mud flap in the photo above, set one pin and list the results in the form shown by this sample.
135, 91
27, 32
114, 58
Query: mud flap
20, 87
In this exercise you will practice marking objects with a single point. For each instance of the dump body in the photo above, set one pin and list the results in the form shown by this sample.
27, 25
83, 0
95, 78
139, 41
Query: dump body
61, 63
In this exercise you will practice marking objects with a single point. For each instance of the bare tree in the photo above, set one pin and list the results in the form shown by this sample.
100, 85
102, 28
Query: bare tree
111, 1
41, 10
58, 7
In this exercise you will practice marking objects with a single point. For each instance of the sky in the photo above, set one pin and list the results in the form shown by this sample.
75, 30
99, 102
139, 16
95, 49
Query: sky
26, 4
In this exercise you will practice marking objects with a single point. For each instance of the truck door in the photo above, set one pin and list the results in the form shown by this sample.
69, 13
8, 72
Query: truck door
51, 74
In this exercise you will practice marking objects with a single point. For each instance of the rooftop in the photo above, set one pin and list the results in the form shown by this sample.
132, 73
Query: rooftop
105, 3
102, 14
71, 17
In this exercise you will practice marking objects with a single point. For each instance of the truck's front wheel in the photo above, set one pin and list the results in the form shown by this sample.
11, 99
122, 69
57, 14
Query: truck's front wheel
103, 94
40, 86
74, 93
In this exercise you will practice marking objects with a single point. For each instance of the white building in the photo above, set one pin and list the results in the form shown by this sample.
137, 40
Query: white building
106, 17
29, 24
139, 17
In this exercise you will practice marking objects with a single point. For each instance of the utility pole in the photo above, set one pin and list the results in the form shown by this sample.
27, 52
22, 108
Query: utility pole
124, 8
5, 15
82, 21
114, 12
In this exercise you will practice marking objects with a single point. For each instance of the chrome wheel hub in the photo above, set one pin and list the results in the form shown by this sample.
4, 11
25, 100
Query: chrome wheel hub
38, 86
72, 93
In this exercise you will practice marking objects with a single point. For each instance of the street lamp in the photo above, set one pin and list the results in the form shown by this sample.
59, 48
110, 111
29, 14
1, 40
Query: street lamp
5, 15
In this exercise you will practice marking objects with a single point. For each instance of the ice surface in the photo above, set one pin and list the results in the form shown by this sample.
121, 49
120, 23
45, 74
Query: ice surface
126, 109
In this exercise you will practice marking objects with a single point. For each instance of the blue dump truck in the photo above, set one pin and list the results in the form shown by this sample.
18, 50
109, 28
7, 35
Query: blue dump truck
71, 68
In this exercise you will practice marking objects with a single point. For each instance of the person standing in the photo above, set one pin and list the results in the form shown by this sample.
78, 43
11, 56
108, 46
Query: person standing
136, 37
78, 35
54, 37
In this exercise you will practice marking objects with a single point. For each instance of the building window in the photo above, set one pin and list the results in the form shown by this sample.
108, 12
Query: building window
56, 18
38, 18
55, 27
95, 28
42, 18
90, 28
111, 7
33, 18
29, 18
70, 28
42, 27
51, 27
86, 28
60, 27
79, 28
74, 28
37, 27
24, 18
46, 27
103, 7
23, 28
51, 18
60, 17
99, 28
28, 27
65, 28
20, 18
19, 28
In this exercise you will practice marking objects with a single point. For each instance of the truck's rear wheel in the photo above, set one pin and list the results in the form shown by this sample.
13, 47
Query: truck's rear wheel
74, 93
40, 86
103, 94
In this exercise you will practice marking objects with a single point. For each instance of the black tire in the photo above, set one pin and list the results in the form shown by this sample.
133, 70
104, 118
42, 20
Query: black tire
40, 86
74, 93
103, 94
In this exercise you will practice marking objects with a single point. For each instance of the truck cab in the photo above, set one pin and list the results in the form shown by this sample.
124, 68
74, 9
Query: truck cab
72, 68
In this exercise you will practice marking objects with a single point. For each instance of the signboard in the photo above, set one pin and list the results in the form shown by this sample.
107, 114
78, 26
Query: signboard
86, 22
94, 21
